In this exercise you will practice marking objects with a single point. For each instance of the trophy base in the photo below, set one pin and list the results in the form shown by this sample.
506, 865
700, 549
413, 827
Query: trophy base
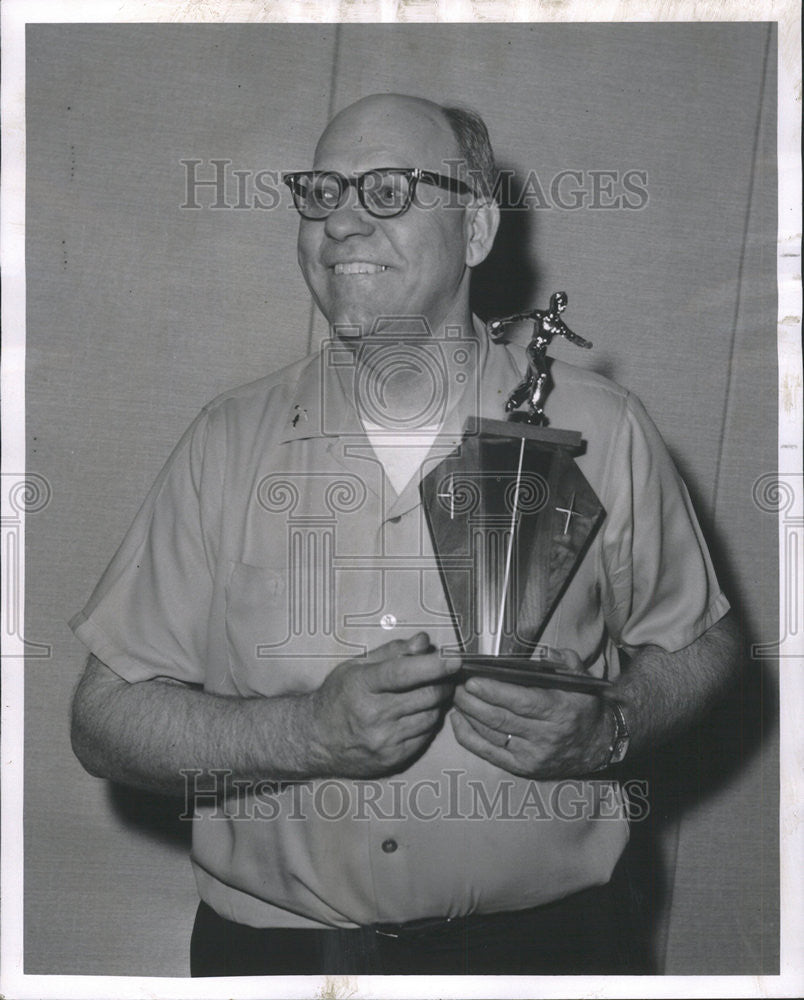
517, 427
531, 673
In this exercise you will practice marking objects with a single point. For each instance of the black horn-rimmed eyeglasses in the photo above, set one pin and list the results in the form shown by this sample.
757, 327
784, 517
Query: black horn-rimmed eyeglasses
383, 192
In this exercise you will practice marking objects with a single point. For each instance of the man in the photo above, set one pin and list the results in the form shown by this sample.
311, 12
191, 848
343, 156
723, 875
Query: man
377, 815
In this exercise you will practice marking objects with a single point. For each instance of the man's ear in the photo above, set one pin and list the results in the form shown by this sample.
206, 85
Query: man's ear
482, 221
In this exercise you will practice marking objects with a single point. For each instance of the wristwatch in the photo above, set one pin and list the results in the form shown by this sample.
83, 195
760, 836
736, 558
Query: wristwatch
621, 739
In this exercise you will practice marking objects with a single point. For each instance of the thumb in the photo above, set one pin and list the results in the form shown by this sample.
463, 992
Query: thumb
418, 643
564, 659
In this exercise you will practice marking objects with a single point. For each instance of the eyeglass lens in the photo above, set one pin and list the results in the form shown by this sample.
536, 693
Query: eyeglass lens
381, 192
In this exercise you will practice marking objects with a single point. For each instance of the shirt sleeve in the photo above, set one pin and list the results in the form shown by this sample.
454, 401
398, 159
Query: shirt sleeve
148, 615
660, 586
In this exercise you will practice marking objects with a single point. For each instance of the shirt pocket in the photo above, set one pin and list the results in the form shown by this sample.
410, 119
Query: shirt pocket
257, 628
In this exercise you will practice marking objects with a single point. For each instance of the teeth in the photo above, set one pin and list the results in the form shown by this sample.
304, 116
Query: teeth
359, 267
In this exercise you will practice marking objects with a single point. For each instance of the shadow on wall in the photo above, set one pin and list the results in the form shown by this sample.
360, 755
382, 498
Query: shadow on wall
506, 282
154, 816
750, 712
731, 736
681, 777
683, 774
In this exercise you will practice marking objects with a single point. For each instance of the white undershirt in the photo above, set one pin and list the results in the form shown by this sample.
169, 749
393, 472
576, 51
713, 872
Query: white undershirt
401, 454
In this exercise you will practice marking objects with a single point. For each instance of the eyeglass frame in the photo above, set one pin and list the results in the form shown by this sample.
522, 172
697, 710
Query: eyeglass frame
414, 174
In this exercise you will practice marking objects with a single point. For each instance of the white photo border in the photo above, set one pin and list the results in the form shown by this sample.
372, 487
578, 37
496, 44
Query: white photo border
15, 15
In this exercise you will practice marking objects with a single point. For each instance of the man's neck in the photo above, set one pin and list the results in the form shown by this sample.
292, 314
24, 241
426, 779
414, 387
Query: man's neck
406, 378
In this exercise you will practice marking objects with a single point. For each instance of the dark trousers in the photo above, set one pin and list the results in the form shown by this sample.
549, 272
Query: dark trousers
595, 932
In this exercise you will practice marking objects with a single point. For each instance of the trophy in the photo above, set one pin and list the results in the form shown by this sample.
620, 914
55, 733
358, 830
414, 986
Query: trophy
510, 517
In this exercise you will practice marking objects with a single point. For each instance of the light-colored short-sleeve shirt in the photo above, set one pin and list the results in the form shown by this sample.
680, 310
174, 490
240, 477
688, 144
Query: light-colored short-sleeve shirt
272, 547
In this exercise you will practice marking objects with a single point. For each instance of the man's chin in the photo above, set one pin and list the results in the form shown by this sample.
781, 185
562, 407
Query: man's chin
383, 328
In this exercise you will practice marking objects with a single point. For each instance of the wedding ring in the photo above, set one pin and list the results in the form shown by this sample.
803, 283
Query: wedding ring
507, 741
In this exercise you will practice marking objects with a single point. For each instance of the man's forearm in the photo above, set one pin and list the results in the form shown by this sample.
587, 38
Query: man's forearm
663, 693
145, 734
369, 717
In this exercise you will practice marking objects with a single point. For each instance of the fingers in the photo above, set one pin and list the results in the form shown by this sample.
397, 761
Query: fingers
533, 702
499, 718
497, 737
422, 699
418, 643
408, 712
468, 736
417, 726
496, 702
567, 659
420, 708
408, 667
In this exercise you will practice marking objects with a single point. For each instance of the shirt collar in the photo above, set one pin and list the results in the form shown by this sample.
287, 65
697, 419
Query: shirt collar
322, 403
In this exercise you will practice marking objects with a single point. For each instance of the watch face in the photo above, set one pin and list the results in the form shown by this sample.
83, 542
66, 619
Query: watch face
620, 750
622, 738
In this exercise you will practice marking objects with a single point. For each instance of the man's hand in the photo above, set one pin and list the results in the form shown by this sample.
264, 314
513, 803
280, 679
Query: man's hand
368, 718
553, 733
372, 715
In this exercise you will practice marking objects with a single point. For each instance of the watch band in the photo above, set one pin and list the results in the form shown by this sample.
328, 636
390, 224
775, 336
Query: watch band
622, 735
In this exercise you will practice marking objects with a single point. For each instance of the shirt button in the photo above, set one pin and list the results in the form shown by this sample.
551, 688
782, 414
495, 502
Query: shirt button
388, 622
395, 520
389, 846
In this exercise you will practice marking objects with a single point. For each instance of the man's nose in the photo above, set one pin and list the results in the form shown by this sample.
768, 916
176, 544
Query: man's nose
349, 219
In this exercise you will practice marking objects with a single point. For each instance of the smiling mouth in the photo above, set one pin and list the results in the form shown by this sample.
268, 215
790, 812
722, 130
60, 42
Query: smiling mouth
359, 267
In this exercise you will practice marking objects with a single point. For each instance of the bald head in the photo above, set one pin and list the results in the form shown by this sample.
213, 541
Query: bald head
471, 138
395, 102
384, 122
